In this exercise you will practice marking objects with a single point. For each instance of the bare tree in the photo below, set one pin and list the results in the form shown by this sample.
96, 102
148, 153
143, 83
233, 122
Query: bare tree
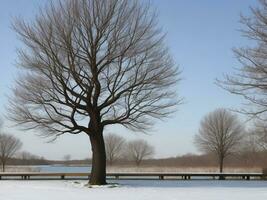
250, 141
89, 64
9, 145
1, 123
67, 157
260, 133
250, 80
25, 155
220, 133
248, 148
114, 146
29, 158
138, 150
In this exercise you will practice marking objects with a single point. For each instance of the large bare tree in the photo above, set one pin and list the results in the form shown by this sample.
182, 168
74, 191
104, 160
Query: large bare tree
138, 150
220, 133
9, 145
89, 64
114, 147
250, 80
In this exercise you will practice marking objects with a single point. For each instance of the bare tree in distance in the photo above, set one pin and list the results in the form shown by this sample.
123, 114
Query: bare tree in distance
9, 145
250, 142
1, 123
67, 157
138, 150
250, 80
260, 132
220, 133
25, 155
29, 158
114, 146
248, 148
89, 64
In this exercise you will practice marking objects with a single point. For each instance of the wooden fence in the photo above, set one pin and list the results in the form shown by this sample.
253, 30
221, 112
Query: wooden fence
141, 176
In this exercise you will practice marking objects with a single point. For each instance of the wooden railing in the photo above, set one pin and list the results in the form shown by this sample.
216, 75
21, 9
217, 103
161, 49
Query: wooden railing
141, 176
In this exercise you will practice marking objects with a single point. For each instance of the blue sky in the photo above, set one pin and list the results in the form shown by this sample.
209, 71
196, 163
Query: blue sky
200, 34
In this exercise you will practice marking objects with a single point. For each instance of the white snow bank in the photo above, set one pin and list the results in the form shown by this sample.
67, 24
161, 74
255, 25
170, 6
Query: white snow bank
134, 190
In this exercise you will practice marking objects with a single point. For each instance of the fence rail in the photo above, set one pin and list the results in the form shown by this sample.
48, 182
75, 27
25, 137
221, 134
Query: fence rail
141, 176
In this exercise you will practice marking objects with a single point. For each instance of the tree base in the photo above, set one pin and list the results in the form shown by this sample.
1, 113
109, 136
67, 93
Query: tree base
107, 185
97, 183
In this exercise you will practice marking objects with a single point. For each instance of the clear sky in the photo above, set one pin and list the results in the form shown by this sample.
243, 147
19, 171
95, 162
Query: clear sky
200, 34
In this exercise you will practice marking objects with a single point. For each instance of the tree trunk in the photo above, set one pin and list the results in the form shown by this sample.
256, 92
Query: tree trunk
110, 162
221, 164
221, 159
138, 162
98, 172
3, 167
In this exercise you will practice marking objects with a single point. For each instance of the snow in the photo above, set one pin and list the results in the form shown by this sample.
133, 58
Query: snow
134, 190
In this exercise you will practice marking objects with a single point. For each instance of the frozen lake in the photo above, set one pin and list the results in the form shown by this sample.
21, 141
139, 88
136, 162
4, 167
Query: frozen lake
62, 168
135, 190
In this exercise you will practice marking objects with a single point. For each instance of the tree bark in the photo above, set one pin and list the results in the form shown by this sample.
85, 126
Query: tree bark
111, 162
3, 167
98, 171
221, 159
138, 162
221, 164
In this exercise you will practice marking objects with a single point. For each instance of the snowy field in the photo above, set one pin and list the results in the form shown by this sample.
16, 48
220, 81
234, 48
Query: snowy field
134, 190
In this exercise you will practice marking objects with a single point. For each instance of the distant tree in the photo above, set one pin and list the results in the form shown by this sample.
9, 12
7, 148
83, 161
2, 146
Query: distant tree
138, 150
114, 147
260, 132
1, 123
67, 157
249, 147
25, 155
250, 80
90, 64
9, 145
220, 133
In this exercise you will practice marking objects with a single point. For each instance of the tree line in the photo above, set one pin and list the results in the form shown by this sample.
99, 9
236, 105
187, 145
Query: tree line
118, 148
115, 145
221, 135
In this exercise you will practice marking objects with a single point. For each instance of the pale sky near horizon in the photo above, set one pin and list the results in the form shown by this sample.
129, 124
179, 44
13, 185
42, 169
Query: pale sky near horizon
200, 34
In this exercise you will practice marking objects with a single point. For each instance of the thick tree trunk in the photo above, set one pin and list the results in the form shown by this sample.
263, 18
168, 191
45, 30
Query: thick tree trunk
98, 172
221, 159
138, 162
110, 162
221, 165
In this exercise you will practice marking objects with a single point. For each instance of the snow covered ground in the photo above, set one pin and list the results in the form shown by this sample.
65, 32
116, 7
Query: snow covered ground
134, 190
